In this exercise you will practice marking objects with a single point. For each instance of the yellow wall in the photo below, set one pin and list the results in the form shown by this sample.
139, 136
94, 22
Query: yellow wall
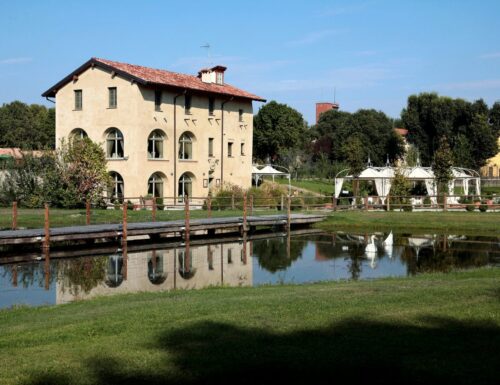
492, 168
136, 118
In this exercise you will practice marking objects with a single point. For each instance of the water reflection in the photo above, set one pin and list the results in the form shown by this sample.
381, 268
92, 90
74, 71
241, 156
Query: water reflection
277, 259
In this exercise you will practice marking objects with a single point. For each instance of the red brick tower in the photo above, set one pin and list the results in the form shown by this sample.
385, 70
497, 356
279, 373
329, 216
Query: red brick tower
323, 107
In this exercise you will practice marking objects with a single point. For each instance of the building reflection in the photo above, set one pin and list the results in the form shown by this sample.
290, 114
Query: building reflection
163, 270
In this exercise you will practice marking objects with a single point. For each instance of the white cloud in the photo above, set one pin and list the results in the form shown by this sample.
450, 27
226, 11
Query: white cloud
492, 55
16, 60
313, 37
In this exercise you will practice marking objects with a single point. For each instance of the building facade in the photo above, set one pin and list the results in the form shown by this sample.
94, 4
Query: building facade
164, 134
492, 167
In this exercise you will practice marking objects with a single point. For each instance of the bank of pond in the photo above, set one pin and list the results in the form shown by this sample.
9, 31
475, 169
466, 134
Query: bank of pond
61, 276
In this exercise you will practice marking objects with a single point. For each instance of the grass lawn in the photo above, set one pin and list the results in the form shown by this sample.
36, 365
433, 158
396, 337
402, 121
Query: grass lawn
34, 218
317, 186
427, 329
451, 222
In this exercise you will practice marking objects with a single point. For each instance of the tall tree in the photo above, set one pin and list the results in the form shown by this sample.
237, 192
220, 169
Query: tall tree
471, 134
441, 165
372, 128
277, 127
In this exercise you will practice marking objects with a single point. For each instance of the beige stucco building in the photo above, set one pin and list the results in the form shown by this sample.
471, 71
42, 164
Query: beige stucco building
164, 133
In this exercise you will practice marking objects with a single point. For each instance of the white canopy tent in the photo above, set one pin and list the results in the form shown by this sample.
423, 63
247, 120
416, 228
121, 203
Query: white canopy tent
268, 170
383, 177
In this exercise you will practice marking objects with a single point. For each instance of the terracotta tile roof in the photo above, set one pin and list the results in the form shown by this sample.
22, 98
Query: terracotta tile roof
17, 153
12, 152
152, 76
401, 131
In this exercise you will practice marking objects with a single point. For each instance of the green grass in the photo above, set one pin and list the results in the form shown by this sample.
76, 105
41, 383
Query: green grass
316, 186
451, 222
34, 218
490, 190
423, 330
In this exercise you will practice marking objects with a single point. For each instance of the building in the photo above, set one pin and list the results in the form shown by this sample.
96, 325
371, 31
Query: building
165, 134
492, 168
323, 107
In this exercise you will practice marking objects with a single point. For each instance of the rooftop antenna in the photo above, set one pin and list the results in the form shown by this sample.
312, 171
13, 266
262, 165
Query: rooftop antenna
387, 163
334, 95
207, 46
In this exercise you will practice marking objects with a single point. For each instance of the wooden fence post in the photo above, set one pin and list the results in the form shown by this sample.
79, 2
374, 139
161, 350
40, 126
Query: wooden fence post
186, 218
125, 223
209, 206
46, 240
288, 212
282, 203
388, 200
244, 213
87, 211
14, 215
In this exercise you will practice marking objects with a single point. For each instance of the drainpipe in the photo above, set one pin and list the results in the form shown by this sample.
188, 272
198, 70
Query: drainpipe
175, 145
222, 142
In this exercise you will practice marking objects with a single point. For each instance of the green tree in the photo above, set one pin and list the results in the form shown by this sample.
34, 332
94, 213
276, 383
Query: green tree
441, 165
400, 189
471, 134
277, 127
83, 166
29, 127
372, 128
354, 154
64, 178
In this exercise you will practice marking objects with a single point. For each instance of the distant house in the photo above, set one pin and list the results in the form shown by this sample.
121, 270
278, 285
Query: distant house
165, 134
492, 167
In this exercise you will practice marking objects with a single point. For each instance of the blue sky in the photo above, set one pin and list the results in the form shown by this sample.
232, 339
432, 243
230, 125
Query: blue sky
375, 53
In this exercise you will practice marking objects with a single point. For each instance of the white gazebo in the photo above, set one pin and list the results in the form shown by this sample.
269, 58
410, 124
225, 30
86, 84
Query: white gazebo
259, 171
384, 176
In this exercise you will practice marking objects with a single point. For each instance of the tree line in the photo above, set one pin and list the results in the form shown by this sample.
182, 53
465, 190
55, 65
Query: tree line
343, 139
29, 127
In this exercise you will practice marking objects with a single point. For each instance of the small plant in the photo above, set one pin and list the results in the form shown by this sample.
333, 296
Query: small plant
483, 207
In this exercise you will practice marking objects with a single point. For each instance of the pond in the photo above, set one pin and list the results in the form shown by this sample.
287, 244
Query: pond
269, 259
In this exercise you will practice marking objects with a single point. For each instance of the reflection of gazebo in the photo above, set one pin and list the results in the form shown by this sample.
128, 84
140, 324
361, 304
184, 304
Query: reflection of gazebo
268, 170
383, 177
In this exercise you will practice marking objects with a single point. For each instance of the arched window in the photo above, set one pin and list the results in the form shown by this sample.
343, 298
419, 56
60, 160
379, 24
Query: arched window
116, 189
78, 133
156, 273
186, 269
185, 186
186, 146
114, 144
155, 185
155, 144
114, 275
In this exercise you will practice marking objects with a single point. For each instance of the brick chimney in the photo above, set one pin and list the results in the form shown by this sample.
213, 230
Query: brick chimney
323, 107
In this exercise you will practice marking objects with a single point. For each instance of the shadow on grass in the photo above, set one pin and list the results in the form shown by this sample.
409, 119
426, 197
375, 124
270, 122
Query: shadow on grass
438, 350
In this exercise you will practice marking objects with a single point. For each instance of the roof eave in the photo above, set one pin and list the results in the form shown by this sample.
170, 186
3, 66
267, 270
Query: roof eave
51, 92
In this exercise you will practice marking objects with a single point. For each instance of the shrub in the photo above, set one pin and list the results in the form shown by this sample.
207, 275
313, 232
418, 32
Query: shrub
483, 207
